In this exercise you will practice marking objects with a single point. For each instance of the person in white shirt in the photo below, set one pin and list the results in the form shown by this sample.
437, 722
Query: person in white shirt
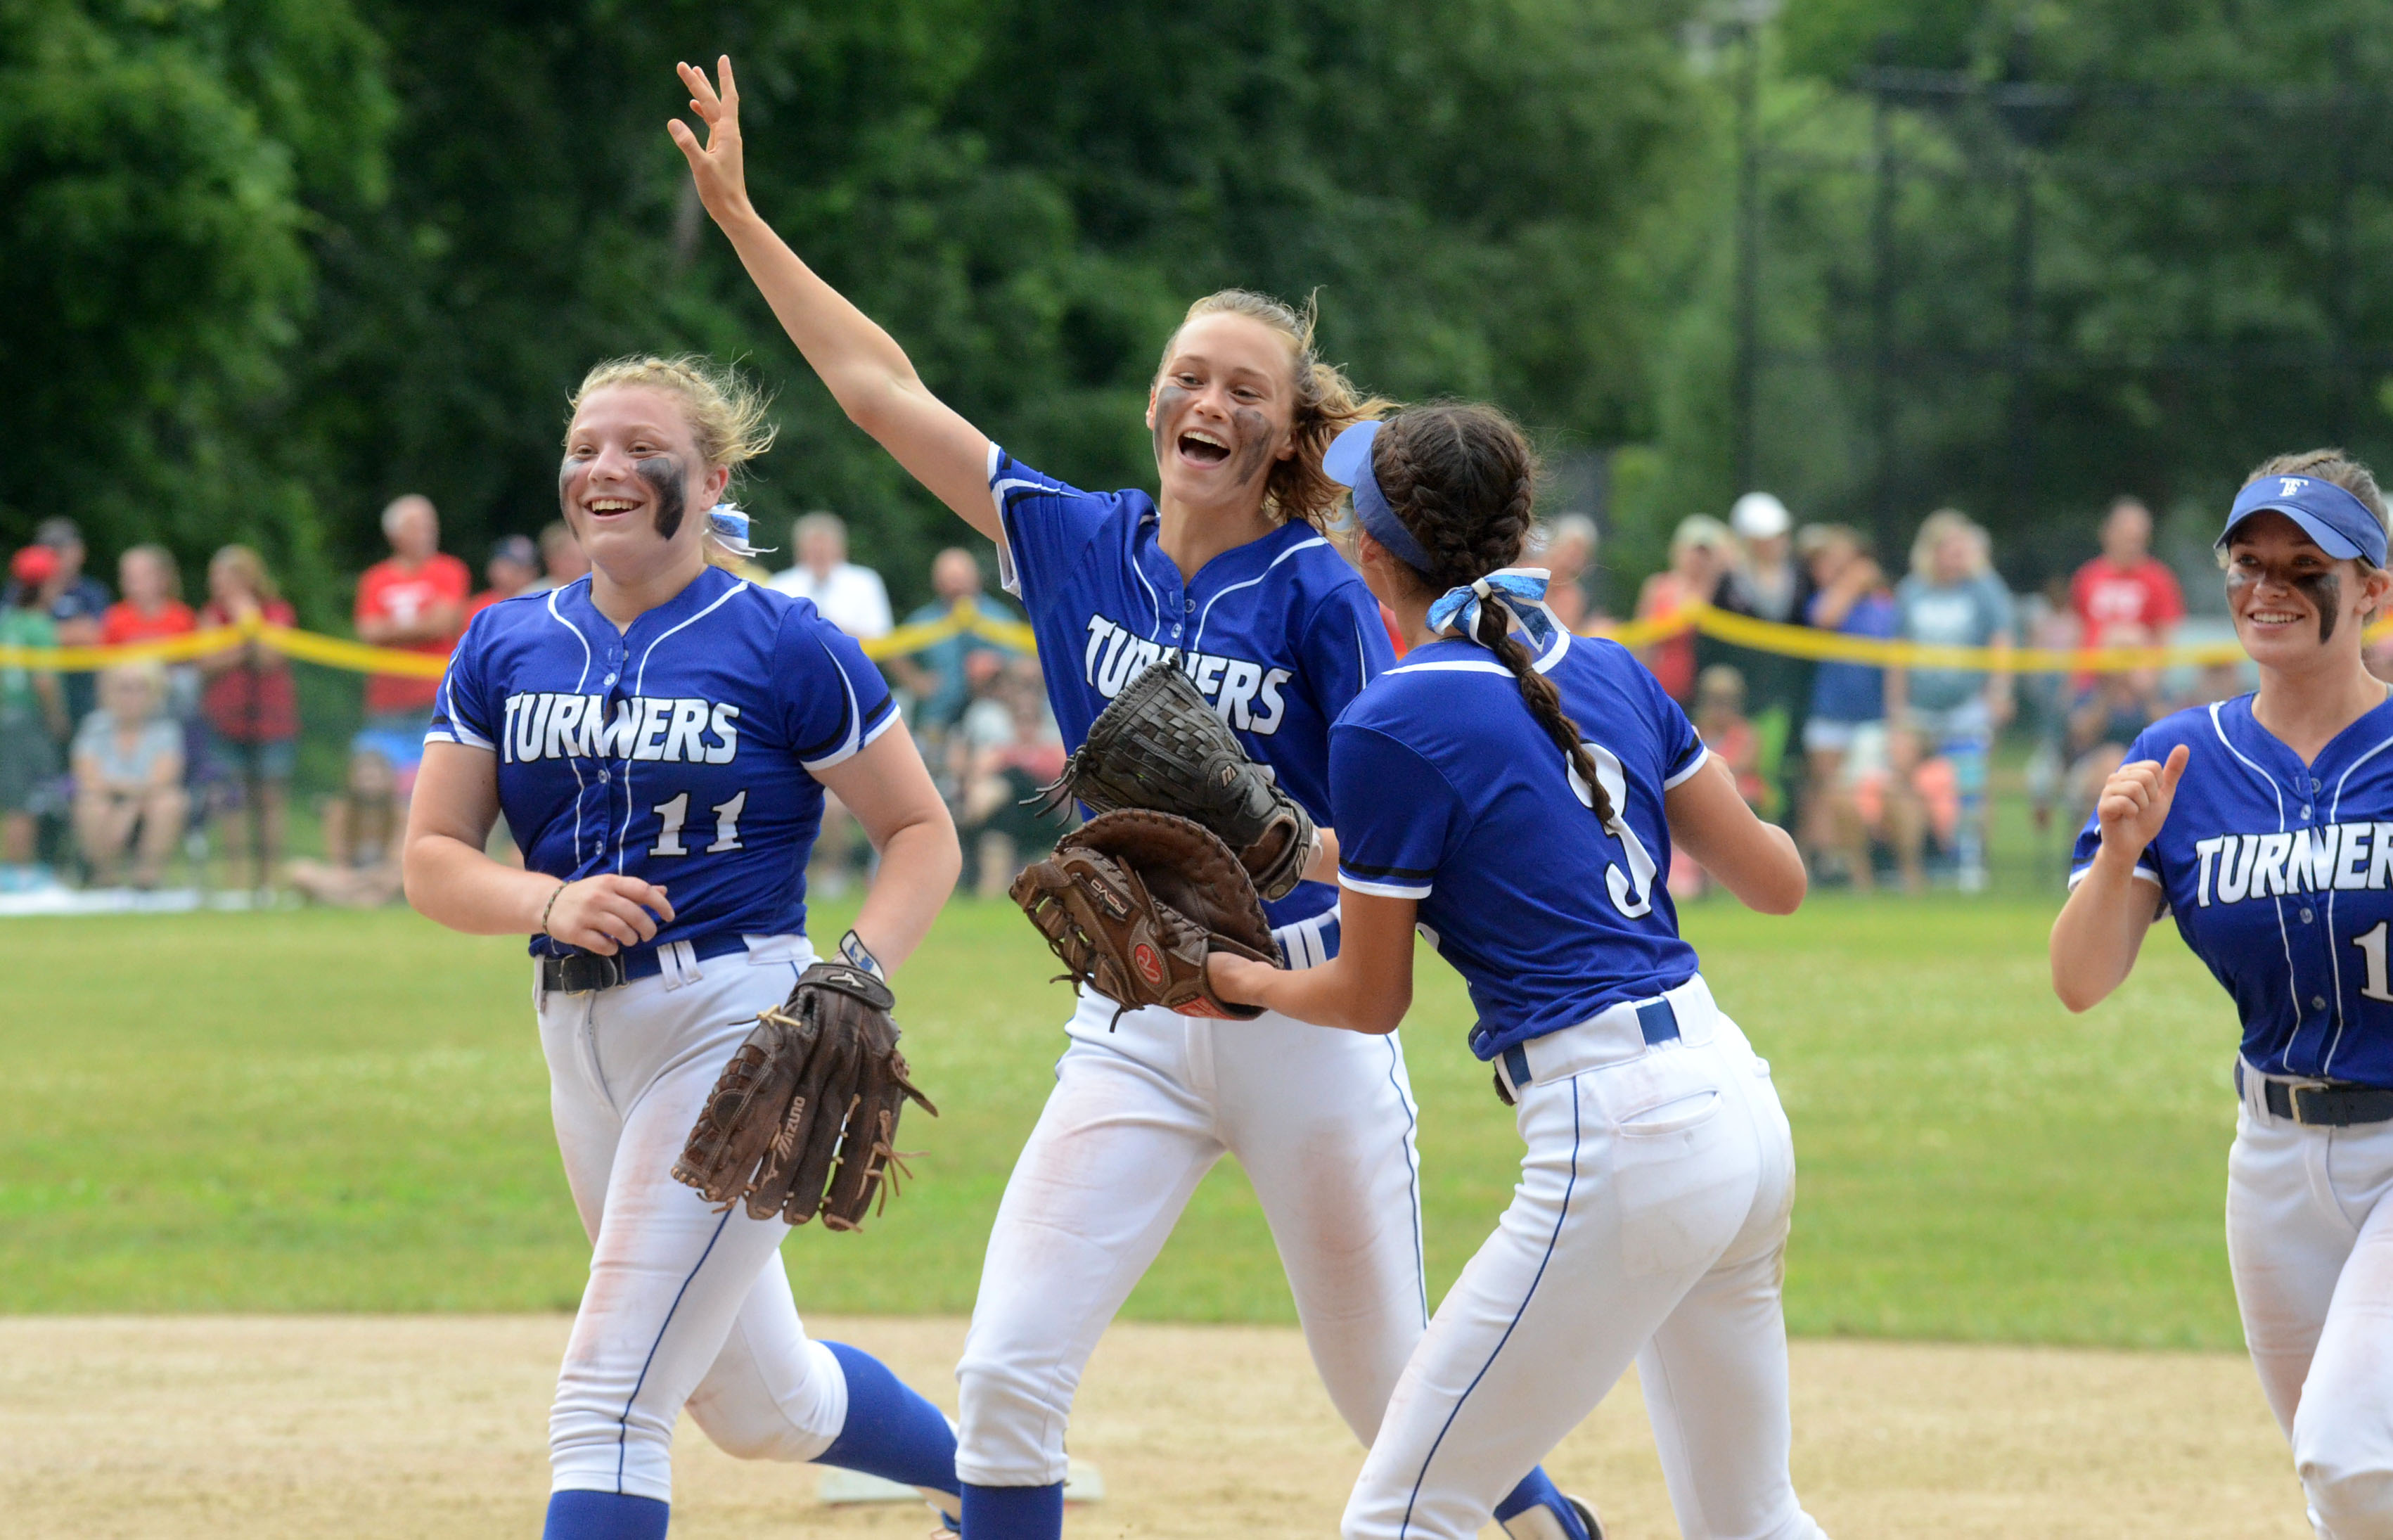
851, 598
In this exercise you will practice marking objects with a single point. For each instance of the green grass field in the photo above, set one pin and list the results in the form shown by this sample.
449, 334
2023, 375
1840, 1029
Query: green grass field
314, 1111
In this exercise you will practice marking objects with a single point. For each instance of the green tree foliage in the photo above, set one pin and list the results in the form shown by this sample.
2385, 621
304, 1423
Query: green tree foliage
280, 262
162, 165
2208, 196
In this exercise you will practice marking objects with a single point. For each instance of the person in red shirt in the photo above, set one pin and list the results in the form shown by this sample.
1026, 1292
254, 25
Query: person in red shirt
414, 601
514, 563
2125, 590
152, 606
252, 711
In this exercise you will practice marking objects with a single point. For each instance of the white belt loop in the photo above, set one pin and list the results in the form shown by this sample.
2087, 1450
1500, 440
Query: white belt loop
678, 961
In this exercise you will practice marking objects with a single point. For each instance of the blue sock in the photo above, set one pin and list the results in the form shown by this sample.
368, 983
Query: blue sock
1537, 1489
1013, 1512
891, 1431
604, 1516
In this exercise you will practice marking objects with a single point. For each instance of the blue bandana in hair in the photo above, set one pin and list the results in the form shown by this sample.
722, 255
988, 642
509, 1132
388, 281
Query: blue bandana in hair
2339, 522
728, 525
1348, 463
1520, 591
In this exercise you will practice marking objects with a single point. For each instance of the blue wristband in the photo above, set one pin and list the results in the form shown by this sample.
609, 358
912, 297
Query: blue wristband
855, 954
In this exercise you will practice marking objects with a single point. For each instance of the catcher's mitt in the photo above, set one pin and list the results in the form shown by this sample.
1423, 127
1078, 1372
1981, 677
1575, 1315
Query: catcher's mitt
1133, 901
1157, 745
819, 1077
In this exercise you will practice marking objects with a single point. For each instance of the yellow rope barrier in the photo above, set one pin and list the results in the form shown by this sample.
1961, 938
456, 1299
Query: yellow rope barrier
1739, 630
337, 652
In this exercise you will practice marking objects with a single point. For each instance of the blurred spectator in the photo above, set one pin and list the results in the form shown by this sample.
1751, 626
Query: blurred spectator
935, 674
1769, 585
851, 598
1568, 550
33, 716
252, 712
128, 778
561, 558
1702, 550
153, 606
2126, 586
2105, 719
74, 601
1844, 733
1728, 732
362, 839
152, 609
1005, 749
414, 601
513, 567
1951, 598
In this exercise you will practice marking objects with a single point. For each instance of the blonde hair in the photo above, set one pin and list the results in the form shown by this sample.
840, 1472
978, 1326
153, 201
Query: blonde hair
728, 415
1326, 402
1932, 530
252, 568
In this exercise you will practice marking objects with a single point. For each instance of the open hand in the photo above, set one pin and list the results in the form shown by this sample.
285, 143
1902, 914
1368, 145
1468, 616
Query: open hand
2135, 801
717, 167
606, 913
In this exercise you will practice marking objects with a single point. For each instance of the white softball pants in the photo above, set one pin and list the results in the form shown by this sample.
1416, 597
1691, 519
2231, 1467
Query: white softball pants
684, 1306
2309, 1238
1649, 1222
1322, 1121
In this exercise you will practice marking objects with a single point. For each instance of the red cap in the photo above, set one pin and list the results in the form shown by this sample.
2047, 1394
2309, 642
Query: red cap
34, 565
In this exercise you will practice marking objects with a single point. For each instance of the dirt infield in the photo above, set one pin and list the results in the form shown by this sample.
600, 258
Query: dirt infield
268, 1428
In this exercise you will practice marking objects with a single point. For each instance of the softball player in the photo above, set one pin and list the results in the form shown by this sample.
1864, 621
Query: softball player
659, 736
1650, 1218
1227, 574
2264, 825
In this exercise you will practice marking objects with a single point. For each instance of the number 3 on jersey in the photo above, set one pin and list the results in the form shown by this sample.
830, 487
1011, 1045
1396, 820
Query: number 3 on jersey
1632, 892
675, 811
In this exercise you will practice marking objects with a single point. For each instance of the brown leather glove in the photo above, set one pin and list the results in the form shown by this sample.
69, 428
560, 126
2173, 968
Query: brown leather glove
820, 1076
1133, 901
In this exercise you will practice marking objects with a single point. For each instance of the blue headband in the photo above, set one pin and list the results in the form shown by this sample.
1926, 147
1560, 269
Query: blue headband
1520, 589
728, 525
1348, 464
2328, 513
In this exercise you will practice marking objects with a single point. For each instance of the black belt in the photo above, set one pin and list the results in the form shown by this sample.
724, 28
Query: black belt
2324, 1104
579, 972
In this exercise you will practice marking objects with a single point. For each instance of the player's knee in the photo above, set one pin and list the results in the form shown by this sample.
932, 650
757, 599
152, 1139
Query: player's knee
1011, 1424
2346, 1474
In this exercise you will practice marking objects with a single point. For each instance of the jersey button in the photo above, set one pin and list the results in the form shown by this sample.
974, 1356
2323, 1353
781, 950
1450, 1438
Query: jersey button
2318, 1002
2306, 916
603, 778
2306, 810
609, 680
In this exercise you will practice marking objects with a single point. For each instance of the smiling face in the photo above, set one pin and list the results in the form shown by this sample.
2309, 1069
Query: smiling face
1220, 410
633, 480
2291, 600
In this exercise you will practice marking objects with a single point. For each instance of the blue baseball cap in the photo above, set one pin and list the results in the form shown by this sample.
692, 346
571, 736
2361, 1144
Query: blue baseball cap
2330, 514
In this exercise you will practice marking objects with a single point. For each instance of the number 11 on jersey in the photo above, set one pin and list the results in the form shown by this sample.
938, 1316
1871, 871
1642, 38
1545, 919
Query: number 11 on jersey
675, 812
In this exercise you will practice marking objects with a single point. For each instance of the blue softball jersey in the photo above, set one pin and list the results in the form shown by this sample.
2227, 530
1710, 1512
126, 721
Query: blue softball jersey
682, 751
1447, 792
1279, 634
2281, 877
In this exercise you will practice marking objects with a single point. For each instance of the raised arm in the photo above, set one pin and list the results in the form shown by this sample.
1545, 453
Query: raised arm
863, 366
2101, 928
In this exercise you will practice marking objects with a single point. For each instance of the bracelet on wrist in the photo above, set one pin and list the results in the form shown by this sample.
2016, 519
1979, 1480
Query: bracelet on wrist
550, 909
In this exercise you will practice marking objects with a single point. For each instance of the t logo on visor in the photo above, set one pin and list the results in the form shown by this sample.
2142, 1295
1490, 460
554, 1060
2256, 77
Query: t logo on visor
2289, 485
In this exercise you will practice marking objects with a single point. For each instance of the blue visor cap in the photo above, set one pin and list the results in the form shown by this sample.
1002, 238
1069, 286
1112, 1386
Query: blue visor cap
1348, 463
2338, 521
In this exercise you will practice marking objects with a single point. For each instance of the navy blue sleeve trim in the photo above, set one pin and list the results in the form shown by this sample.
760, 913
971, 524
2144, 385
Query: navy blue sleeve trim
1359, 869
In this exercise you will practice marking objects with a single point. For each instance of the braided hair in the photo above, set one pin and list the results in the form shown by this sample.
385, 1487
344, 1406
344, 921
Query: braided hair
1463, 479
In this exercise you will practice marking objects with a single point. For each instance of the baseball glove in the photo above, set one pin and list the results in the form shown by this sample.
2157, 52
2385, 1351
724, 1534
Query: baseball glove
1133, 901
820, 1078
1160, 745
